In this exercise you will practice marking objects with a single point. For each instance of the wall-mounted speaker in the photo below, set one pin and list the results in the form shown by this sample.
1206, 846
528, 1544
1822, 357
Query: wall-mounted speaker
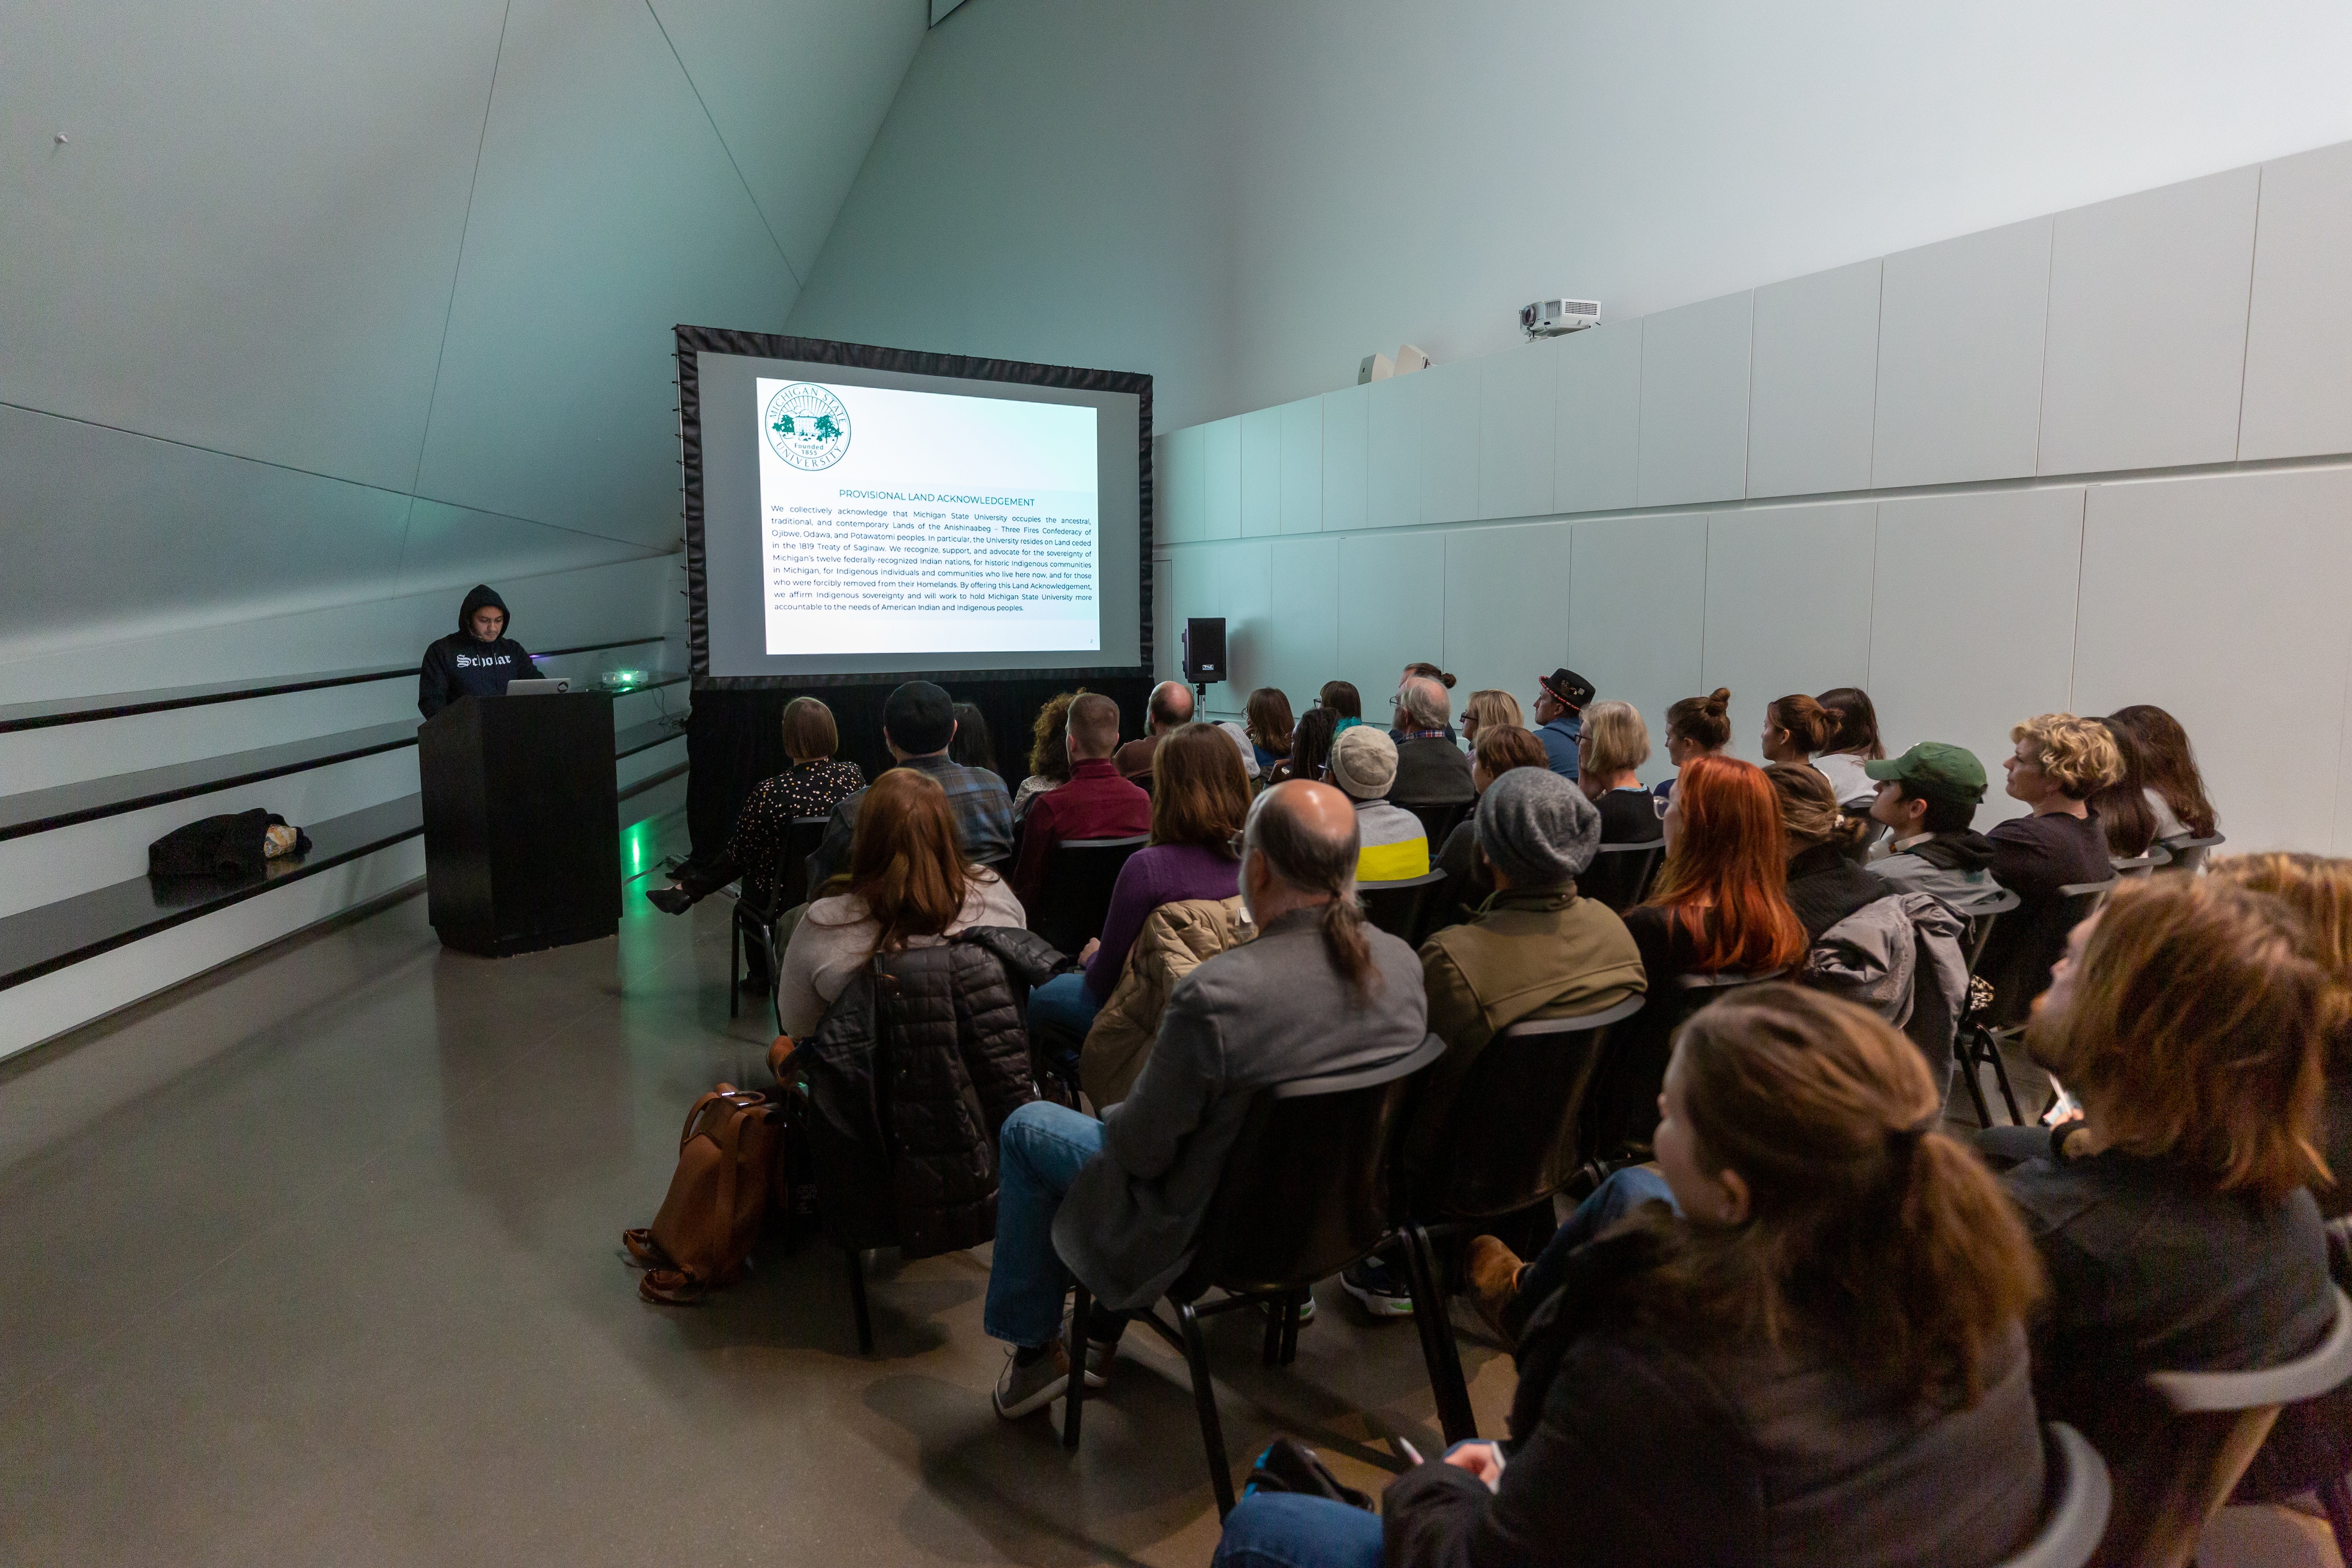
1204, 649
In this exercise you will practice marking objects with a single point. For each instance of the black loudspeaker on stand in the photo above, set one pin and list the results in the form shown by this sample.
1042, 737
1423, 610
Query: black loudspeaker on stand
523, 838
1204, 652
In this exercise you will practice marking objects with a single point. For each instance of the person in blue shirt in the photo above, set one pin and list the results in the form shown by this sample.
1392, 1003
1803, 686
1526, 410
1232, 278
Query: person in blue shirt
1561, 698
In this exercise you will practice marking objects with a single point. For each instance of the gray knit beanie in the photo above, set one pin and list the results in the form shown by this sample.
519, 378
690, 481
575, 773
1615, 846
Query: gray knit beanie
1537, 828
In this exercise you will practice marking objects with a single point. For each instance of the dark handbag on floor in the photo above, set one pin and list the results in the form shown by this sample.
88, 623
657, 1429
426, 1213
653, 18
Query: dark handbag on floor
717, 1198
1288, 1467
231, 845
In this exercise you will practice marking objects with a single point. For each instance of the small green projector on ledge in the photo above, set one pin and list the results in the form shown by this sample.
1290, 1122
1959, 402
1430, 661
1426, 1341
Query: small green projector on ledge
624, 680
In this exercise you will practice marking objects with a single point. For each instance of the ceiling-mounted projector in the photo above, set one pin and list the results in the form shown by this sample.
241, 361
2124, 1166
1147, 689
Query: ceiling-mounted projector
1550, 318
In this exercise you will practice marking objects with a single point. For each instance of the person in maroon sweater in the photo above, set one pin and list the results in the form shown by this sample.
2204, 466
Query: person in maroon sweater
1095, 803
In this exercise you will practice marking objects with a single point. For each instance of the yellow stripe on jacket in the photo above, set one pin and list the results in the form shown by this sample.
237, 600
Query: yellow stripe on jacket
1392, 846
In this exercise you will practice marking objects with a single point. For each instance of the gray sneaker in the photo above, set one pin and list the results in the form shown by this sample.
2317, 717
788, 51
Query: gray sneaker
1098, 1354
1023, 1389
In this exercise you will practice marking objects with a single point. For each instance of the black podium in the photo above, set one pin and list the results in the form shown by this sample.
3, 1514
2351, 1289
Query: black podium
522, 843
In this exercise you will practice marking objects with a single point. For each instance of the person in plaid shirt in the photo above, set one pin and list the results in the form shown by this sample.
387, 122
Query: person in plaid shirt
917, 723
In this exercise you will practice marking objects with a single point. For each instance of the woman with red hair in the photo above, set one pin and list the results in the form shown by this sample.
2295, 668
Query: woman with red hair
1721, 898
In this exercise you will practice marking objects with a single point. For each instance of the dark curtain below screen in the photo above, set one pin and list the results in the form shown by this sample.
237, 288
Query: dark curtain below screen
734, 739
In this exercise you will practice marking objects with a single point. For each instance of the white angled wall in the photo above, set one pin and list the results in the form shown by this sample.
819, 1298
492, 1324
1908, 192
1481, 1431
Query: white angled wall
2077, 462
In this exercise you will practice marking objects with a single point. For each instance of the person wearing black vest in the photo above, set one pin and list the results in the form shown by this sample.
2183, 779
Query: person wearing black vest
477, 659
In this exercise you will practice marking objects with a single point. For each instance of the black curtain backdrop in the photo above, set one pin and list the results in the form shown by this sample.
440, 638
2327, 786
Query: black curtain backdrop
734, 739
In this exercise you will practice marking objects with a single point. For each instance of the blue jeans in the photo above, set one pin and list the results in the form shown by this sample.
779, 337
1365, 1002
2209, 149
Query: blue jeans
1043, 1149
1285, 1529
1068, 1001
1611, 1201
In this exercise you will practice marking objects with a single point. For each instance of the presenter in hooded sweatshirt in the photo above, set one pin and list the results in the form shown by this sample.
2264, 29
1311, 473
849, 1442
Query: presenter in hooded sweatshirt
477, 659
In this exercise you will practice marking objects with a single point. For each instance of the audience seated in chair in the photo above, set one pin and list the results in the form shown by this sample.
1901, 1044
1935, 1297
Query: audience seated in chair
1536, 949
1926, 798
1795, 726
1498, 750
1170, 709
1094, 803
1346, 704
973, 746
2176, 789
1194, 812
1561, 698
2121, 803
1270, 725
1049, 753
1820, 1358
1401, 722
1824, 884
1395, 847
2191, 1020
1489, 706
1310, 748
911, 884
1695, 727
1119, 1200
812, 786
1851, 746
1615, 741
918, 726
1431, 769
2060, 762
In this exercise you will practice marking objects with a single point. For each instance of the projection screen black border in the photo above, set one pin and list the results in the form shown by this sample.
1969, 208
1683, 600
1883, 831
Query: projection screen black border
693, 341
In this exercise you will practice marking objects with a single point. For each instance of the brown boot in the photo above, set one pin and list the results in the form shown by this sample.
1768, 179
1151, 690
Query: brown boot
1494, 1276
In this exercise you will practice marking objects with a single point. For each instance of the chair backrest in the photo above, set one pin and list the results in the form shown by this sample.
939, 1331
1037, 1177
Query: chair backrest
2080, 1497
2142, 865
1075, 894
789, 874
1981, 912
2185, 1467
1620, 874
1620, 1107
1396, 907
1438, 820
1511, 1132
2189, 853
1305, 1190
2032, 944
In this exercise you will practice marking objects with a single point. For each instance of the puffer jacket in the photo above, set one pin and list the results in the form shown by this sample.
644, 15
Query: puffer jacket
1900, 957
1176, 939
911, 1075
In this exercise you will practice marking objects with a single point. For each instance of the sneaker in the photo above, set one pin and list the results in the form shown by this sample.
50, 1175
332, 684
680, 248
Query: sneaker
1382, 1289
1023, 1389
1493, 1270
1098, 1354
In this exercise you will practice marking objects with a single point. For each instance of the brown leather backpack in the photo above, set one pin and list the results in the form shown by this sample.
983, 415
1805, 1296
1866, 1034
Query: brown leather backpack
718, 1197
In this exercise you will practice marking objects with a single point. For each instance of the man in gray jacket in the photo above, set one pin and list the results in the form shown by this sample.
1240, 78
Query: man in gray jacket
1318, 990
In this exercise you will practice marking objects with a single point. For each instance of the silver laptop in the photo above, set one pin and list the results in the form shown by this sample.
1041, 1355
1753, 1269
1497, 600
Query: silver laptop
544, 686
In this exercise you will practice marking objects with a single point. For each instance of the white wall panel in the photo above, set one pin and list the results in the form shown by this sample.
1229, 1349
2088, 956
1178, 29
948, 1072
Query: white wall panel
1260, 472
2148, 328
1636, 620
1221, 485
1245, 599
1788, 606
1814, 384
1694, 402
2343, 845
1596, 441
454, 548
1392, 476
1193, 588
2244, 642
1518, 413
1180, 513
1448, 438
1302, 465
2299, 330
1303, 639
1972, 620
1960, 333
1507, 601
1391, 610
1346, 457
598, 165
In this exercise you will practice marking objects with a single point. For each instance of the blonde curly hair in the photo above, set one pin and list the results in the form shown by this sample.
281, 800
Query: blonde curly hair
2077, 752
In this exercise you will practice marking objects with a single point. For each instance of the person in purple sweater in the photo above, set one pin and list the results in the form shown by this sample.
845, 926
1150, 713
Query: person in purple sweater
1200, 798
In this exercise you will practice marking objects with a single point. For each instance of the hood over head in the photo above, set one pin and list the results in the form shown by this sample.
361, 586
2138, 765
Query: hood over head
483, 595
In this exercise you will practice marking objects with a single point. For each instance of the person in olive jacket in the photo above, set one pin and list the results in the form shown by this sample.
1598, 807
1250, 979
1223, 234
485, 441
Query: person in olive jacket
1821, 1358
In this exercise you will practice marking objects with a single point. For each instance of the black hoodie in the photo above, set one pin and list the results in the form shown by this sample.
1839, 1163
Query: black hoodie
462, 665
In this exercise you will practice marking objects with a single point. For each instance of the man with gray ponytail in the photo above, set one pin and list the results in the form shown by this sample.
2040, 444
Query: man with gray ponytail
1116, 1201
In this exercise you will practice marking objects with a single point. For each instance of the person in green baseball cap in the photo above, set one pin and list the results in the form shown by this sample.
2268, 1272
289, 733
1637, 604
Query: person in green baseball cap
1928, 797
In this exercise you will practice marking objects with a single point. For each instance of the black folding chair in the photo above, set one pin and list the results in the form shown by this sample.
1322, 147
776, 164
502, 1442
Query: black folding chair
1621, 1110
2189, 853
1438, 820
1972, 1049
2141, 865
753, 927
1075, 895
1401, 906
1620, 874
1510, 1140
1303, 1194
2018, 972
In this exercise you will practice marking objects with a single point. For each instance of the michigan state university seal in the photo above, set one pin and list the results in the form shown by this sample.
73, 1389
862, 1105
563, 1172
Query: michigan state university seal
808, 426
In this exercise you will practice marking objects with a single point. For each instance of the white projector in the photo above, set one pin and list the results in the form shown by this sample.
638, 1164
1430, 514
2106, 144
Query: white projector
1550, 318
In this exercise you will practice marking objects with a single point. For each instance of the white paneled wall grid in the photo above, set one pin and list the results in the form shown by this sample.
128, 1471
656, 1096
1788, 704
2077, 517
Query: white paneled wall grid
2094, 458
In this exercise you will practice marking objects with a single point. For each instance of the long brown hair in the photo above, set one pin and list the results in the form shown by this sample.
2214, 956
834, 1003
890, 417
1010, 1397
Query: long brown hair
2199, 1031
2121, 803
1049, 737
1854, 722
1499, 748
1866, 1226
2170, 763
906, 861
1311, 744
1199, 796
1270, 722
1341, 699
1730, 858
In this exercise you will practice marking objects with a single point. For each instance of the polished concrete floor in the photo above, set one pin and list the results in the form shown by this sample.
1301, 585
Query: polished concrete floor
317, 1261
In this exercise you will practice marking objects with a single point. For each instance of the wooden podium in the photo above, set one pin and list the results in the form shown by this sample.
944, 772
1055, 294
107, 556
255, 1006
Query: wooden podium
522, 845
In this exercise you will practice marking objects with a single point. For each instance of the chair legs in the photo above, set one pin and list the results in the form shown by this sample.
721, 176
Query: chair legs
2336, 1497
1438, 1351
1969, 1063
1979, 1046
2000, 1078
734, 965
1204, 1400
857, 1301
1075, 1401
